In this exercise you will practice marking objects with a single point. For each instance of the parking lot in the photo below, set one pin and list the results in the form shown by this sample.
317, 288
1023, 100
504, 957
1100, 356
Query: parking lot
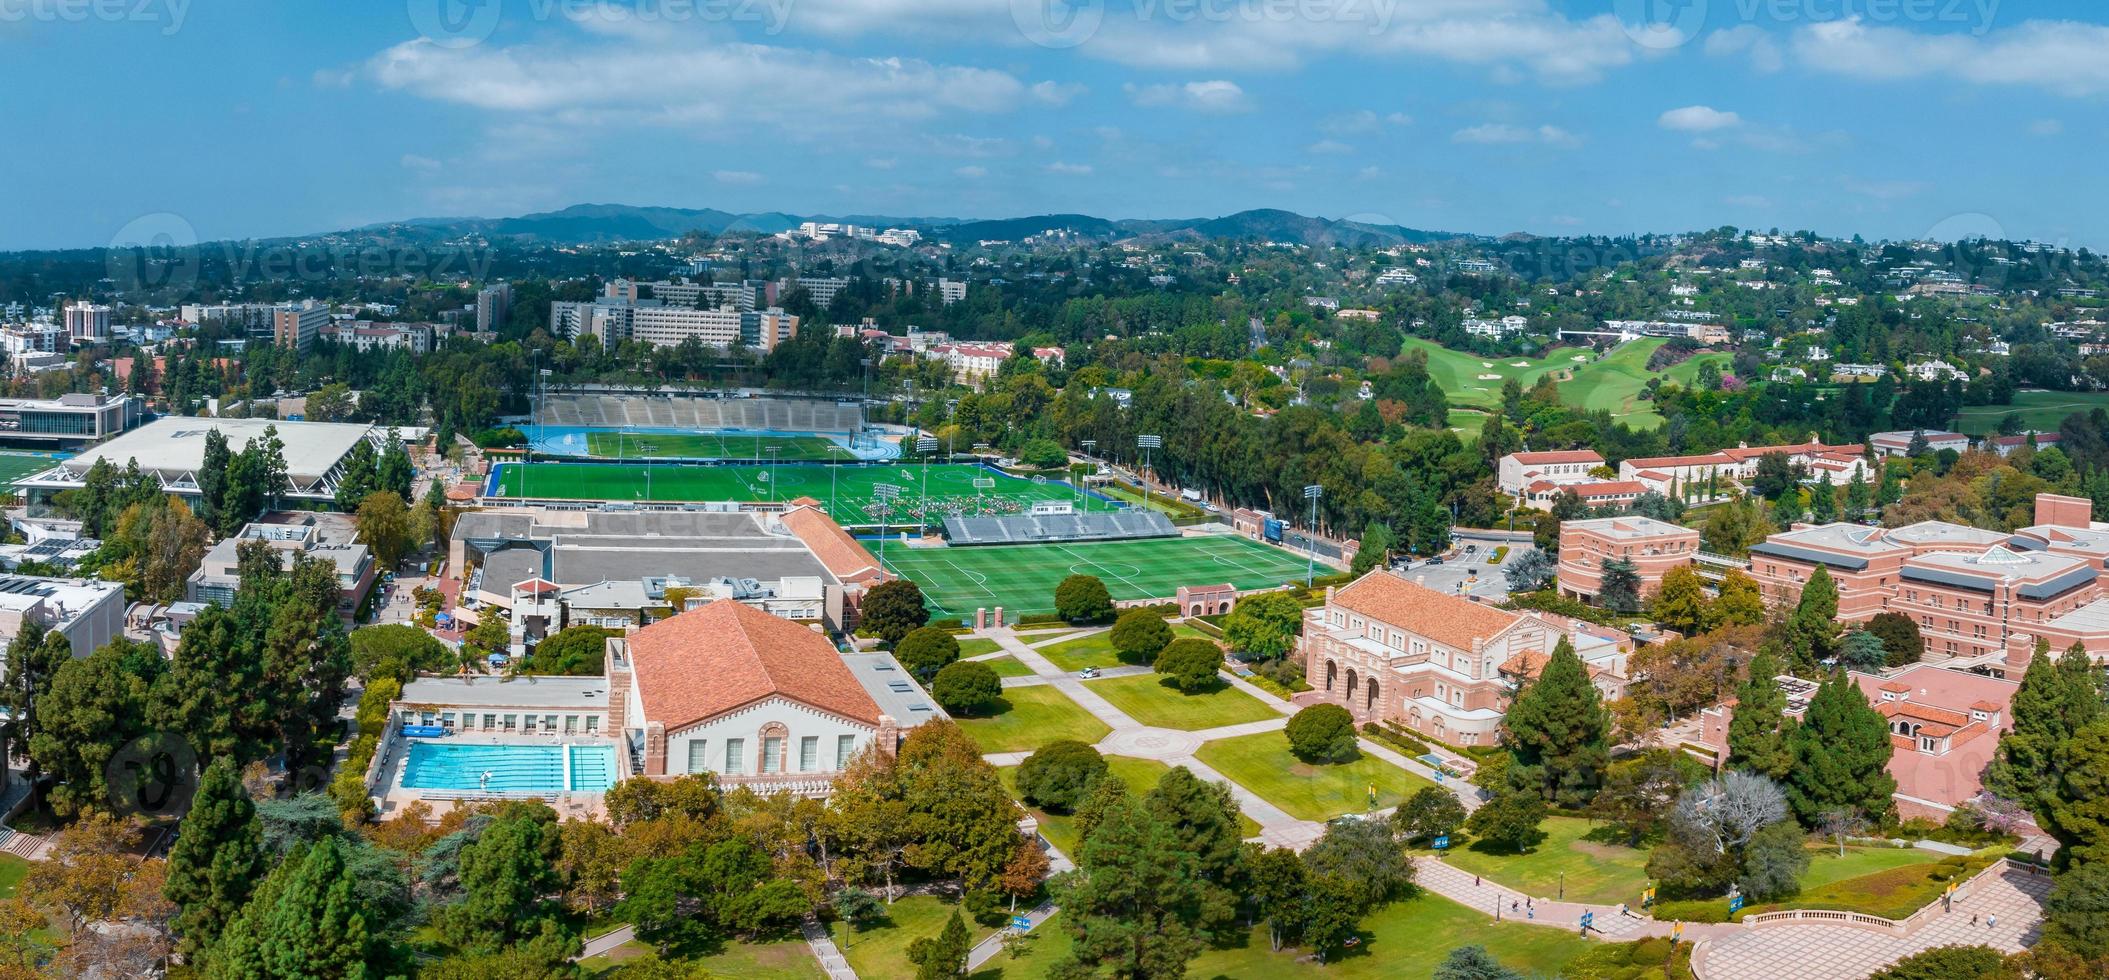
1465, 570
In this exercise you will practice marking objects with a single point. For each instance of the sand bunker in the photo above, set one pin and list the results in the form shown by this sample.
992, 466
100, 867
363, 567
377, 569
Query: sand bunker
1520, 364
1486, 364
1490, 377
1579, 357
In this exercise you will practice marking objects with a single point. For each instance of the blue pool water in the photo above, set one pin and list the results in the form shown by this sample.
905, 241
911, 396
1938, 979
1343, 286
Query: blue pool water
509, 768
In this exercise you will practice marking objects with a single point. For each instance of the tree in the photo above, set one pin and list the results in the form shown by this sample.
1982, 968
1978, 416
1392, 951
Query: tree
926, 650
2076, 913
1759, 729
944, 955
1510, 820
1557, 731
1191, 664
1134, 905
175, 546
1083, 599
1429, 813
1374, 549
1741, 602
1473, 963
1863, 651
1139, 634
1620, 591
1947, 963
575, 651
1681, 603
385, 525
1264, 626
212, 476
396, 474
217, 860
1711, 828
1364, 854
2077, 804
332, 403
1773, 862
1811, 633
33, 660
1900, 637
94, 707
1639, 793
507, 877
1043, 454
1203, 819
892, 610
1277, 886
968, 687
359, 477
2057, 698
1058, 775
1841, 755
303, 921
1322, 733
1530, 571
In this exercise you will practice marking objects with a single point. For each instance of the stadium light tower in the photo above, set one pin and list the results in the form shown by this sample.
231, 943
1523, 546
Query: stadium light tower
883, 495
924, 446
1089, 445
1310, 535
1147, 443
774, 452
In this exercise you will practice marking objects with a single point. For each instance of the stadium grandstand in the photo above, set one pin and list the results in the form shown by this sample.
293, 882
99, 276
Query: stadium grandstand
592, 411
1032, 528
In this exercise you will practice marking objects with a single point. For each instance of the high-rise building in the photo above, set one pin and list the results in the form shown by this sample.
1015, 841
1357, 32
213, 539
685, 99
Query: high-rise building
493, 304
297, 325
87, 322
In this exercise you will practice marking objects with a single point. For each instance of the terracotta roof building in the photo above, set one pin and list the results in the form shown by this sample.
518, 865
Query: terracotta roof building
753, 699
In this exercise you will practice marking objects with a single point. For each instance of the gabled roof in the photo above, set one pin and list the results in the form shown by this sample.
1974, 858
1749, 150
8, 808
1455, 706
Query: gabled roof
719, 657
1446, 619
842, 555
1559, 456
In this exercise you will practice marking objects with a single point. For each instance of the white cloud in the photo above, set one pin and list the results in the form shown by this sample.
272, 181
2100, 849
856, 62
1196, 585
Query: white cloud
971, 173
2061, 56
737, 177
1069, 169
423, 165
1213, 96
2046, 127
1056, 93
1329, 148
1371, 172
1495, 133
1697, 119
1749, 40
1399, 119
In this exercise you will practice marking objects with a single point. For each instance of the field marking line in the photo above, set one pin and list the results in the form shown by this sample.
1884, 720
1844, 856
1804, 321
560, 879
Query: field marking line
983, 584
1131, 582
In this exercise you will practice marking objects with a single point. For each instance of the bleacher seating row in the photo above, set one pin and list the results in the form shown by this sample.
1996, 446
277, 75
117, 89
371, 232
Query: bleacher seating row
1030, 528
779, 415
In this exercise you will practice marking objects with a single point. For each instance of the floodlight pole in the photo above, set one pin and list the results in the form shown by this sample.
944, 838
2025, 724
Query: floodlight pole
884, 494
774, 452
1310, 532
1089, 445
1147, 443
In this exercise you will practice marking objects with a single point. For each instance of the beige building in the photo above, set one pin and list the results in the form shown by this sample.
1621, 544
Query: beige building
1653, 546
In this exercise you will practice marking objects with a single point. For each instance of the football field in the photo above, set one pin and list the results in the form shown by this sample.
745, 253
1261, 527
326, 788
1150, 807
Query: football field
14, 466
712, 445
849, 492
1022, 578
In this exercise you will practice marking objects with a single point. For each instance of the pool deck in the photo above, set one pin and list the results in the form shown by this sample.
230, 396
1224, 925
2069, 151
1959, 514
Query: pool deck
393, 796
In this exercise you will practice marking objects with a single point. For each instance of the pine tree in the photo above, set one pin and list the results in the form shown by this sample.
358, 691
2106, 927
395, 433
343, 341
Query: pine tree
1135, 903
1862, 651
360, 477
1841, 755
1858, 497
1811, 634
1759, 728
2077, 806
212, 475
506, 877
2056, 699
216, 860
942, 956
1558, 731
1620, 591
1204, 819
304, 921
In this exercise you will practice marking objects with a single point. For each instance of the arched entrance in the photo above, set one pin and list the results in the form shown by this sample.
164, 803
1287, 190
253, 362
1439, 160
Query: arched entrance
1370, 704
1351, 679
1332, 671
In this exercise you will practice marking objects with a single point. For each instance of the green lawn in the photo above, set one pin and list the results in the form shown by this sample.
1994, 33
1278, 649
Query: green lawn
617, 444
2041, 410
1008, 666
1169, 505
1596, 872
1022, 577
16, 465
1029, 717
975, 646
1889, 882
1825, 866
1612, 382
1406, 939
847, 491
1468, 423
1046, 946
12, 871
1141, 775
790, 959
1095, 650
1263, 764
882, 950
1150, 699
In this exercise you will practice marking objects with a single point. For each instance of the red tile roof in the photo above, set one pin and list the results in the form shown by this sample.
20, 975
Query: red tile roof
1446, 619
1559, 456
1659, 462
1613, 488
713, 659
841, 553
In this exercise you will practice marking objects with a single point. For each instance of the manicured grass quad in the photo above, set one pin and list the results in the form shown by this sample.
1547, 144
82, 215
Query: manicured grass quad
2040, 410
788, 959
1029, 717
712, 445
1008, 666
881, 950
1892, 882
1140, 775
1598, 869
1095, 650
1404, 939
975, 646
1022, 578
1263, 764
1150, 699
1613, 382
847, 491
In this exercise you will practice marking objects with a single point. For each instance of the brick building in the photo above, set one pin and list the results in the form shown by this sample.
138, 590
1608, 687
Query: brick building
1653, 546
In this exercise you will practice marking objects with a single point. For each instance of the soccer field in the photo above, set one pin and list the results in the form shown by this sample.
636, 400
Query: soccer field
1022, 578
712, 445
14, 466
848, 491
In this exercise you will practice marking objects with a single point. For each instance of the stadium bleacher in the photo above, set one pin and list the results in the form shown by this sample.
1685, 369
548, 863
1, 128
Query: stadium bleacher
1030, 528
648, 411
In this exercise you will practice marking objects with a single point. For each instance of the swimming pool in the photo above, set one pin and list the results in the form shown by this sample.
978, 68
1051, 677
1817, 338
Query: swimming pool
527, 769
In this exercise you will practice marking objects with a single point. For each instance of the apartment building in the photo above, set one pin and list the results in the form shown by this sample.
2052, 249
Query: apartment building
366, 336
1653, 546
218, 576
88, 323
972, 361
295, 326
1391, 650
493, 304
2009, 445
1518, 472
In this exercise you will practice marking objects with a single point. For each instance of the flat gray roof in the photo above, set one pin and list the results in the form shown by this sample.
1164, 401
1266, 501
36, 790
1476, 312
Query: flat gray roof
508, 692
619, 559
176, 444
898, 695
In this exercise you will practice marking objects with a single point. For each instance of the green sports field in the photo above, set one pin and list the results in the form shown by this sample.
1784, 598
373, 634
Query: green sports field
711, 445
1612, 382
1022, 578
847, 491
14, 466
2040, 410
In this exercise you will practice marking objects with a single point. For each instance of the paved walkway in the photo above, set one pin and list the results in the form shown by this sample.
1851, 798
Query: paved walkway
824, 950
1495, 899
605, 943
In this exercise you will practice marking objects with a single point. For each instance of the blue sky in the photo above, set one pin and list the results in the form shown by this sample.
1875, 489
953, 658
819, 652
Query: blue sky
1889, 118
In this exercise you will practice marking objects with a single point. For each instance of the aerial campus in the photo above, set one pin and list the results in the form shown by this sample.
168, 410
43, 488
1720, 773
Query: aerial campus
1053, 489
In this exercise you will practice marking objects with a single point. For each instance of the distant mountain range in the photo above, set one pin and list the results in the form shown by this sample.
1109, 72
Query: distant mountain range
586, 224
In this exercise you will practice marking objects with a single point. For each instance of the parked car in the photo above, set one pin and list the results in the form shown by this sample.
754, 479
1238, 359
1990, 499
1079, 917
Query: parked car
1088, 673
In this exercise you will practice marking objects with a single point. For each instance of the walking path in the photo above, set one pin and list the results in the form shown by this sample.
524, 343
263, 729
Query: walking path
605, 943
824, 950
1495, 899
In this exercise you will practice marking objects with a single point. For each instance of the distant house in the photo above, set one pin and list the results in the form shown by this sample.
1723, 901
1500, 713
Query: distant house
1517, 471
1898, 443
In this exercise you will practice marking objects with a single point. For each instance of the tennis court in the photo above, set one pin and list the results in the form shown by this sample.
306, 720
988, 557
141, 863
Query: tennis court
847, 490
1022, 578
712, 445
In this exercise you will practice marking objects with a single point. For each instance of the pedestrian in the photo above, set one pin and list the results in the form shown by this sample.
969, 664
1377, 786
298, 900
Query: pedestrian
1475, 881
1530, 913
1527, 902
1973, 919
1991, 922
1512, 905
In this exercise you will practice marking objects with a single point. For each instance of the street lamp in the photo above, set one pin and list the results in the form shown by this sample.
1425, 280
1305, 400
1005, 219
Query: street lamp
1310, 535
1146, 444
